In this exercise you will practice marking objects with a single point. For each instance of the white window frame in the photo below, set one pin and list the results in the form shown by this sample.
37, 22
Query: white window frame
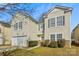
20, 25
56, 36
49, 23
51, 36
61, 36
52, 19
62, 21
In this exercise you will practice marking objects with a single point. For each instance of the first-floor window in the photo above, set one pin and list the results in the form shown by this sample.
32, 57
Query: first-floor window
52, 36
56, 36
59, 36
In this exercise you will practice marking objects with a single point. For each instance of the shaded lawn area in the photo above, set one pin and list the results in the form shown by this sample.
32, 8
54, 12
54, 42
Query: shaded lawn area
46, 51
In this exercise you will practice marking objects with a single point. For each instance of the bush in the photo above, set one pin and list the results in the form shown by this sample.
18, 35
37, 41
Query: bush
33, 43
42, 43
53, 44
61, 43
73, 43
46, 43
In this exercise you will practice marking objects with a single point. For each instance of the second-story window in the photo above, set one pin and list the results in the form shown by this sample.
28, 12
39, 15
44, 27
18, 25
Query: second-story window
51, 22
39, 27
0, 30
16, 26
20, 25
60, 21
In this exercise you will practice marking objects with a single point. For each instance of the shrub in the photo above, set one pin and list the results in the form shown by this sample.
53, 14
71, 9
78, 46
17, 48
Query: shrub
46, 43
73, 43
53, 44
42, 43
33, 43
61, 43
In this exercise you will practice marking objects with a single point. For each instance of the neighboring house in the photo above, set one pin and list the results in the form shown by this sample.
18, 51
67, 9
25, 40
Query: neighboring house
24, 29
75, 34
5, 33
53, 25
56, 24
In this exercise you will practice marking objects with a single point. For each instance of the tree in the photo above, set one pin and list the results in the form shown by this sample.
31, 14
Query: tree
11, 8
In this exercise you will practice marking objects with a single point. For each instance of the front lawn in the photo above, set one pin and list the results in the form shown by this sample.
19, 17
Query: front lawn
45, 51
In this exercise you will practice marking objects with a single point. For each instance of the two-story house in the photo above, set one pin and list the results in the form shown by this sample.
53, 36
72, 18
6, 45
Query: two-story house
24, 28
56, 24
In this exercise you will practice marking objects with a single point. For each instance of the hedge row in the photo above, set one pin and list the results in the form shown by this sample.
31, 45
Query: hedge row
48, 43
33, 43
53, 44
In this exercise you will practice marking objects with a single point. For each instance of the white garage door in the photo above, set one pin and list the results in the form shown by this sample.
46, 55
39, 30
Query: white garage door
1, 41
20, 41
14, 41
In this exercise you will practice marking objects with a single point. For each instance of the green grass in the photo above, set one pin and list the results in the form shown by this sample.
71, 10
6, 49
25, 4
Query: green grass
45, 51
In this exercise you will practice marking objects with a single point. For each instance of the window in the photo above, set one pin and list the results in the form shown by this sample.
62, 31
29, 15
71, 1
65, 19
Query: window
0, 30
53, 37
20, 25
51, 22
39, 27
16, 26
61, 21
59, 36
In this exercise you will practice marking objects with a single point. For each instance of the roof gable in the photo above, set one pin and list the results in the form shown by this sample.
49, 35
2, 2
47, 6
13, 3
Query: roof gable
56, 7
61, 8
76, 27
21, 12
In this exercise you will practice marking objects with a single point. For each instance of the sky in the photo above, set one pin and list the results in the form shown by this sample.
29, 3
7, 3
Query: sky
40, 8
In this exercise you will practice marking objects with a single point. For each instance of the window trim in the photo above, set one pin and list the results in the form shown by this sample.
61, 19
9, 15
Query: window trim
63, 21
20, 25
56, 36
61, 36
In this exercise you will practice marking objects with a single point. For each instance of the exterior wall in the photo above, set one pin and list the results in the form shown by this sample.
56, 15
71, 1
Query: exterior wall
1, 35
40, 31
5, 35
76, 33
33, 30
28, 32
64, 30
